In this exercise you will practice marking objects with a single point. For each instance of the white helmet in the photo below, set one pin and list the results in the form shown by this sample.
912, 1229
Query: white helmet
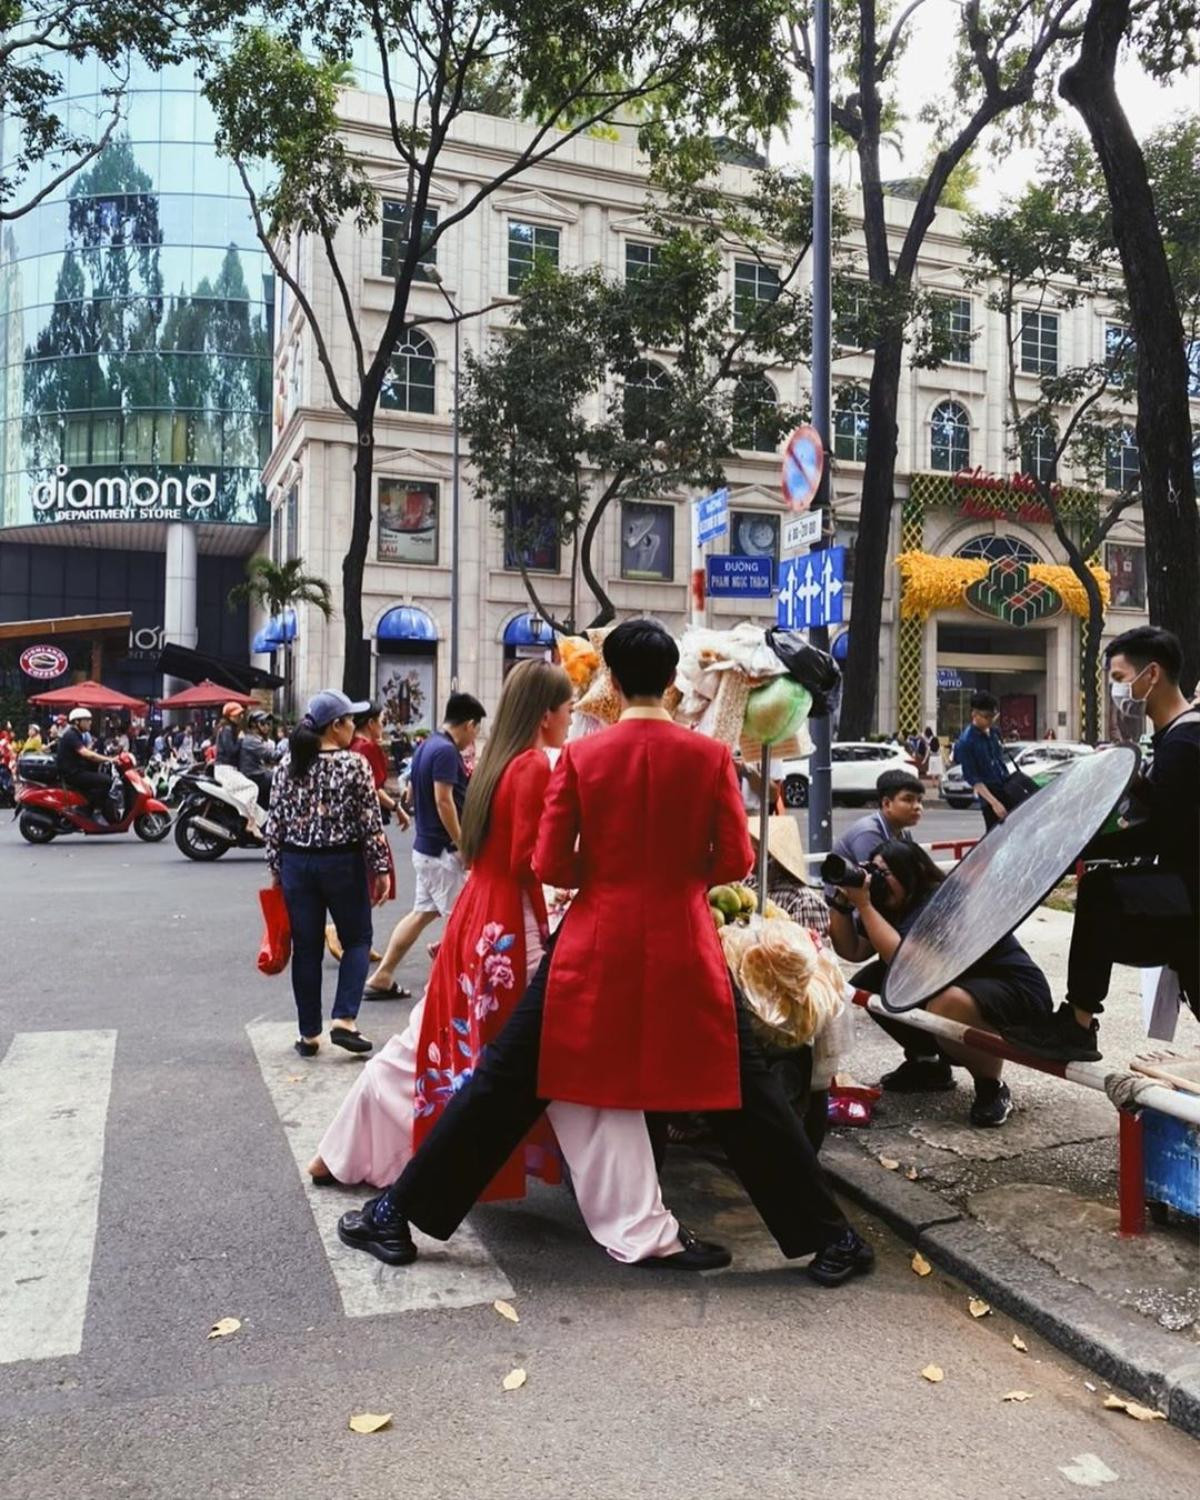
79, 713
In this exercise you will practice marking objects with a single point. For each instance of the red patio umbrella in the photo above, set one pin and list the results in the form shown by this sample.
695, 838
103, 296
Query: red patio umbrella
89, 695
207, 694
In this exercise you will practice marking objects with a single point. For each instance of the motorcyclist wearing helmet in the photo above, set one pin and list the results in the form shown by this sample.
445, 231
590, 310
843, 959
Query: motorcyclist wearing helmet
230, 730
256, 752
75, 758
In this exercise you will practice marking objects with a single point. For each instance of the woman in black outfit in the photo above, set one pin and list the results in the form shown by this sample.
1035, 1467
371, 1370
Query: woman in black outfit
1004, 987
326, 849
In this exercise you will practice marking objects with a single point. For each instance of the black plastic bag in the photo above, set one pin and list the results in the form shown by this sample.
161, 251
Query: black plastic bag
814, 669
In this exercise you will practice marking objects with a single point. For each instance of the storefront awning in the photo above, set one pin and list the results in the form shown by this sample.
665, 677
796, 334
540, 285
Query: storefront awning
528, 630
280, 630
196, 666
406, 623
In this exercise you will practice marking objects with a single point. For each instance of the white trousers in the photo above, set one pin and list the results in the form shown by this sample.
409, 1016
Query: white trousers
607, 1150
242, 790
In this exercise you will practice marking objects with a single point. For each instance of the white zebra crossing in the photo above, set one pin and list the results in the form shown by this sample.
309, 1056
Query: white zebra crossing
54, 1091
306, 1094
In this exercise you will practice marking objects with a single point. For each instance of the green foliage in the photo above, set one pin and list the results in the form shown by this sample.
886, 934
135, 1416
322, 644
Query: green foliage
275, 587
35, 37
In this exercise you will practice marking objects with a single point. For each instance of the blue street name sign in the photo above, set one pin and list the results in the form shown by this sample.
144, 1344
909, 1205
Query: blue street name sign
740, 575
812, 590
712, 516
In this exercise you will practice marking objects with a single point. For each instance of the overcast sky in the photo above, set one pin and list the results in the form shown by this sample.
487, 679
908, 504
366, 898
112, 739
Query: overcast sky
1148, 103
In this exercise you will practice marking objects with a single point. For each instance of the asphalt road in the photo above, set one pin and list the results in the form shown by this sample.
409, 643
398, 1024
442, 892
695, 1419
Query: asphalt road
151, 1121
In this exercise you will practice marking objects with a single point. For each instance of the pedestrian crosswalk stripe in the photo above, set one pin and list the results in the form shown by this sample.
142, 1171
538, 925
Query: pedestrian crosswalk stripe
54, 1090
457, 1273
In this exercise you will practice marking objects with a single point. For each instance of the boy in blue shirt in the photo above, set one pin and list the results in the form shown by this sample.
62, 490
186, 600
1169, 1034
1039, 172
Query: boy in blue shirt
980, 753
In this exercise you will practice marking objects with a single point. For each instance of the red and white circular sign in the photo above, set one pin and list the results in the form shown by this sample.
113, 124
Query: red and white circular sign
43, 662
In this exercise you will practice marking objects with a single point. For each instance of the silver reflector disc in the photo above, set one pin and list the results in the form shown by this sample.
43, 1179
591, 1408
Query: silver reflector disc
1006, 875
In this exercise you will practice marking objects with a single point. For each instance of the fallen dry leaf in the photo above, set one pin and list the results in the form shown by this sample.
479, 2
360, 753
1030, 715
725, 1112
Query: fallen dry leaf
978, 1308
1016, 1396
933, 1373
912, 1174
506, 1310
514, 1380
1019, 1344
370, 1421
223, 1327
889, 1163
295, 1078
1133, 1409
920, 1265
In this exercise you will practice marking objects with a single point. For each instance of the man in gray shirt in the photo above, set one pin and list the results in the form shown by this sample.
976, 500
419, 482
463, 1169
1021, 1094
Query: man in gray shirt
901, 796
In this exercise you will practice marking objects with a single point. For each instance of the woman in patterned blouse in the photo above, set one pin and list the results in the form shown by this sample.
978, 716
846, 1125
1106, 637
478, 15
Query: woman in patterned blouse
326, 849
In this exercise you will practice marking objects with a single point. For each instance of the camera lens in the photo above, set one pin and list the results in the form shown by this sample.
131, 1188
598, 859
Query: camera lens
837, 871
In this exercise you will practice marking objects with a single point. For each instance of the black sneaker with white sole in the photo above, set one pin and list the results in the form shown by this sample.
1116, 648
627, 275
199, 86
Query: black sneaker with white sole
1058, 1037
848, 1255
919, 1075
992, 1104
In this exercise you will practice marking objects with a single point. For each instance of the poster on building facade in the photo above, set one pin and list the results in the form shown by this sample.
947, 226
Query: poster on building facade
405, 686
648, 542
406, 526
1127, 575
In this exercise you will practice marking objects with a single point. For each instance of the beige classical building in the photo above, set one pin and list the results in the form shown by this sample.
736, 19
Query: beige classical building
584, 206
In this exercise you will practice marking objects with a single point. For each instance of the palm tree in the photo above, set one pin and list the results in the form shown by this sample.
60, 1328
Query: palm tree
277, 587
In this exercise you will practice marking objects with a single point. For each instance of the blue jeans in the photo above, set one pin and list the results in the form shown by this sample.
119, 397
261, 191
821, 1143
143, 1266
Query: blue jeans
314, 884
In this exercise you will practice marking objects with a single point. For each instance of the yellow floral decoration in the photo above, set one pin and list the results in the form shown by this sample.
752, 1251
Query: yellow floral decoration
931, 583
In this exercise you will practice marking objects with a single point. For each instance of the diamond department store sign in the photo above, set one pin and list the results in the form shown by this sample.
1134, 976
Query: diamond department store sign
119, 497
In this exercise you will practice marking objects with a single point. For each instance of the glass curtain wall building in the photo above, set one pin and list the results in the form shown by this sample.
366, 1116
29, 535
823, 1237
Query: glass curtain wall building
136, 312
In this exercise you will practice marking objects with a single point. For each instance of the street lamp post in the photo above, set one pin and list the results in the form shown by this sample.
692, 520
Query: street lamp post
434, 275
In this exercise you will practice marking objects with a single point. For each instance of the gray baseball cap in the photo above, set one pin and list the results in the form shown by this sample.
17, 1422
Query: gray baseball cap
329, 705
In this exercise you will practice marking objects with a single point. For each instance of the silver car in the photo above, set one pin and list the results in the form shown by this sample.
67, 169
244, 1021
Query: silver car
1041, 760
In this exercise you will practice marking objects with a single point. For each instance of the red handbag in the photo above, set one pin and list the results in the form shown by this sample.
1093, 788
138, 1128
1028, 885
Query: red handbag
275, 950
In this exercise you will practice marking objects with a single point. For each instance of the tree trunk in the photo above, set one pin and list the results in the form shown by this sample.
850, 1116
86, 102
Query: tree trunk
356, 665
874, 543
1168, 486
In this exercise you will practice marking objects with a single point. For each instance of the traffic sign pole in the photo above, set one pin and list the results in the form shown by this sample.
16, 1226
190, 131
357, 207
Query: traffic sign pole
820, 791
698, 609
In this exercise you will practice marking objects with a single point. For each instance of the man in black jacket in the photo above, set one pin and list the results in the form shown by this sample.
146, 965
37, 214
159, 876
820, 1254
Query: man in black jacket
1144, 914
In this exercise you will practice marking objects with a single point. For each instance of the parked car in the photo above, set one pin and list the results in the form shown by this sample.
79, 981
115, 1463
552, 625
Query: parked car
1040, 759
856, 766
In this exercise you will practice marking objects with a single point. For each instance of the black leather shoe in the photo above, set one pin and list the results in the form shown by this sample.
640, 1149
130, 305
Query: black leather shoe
352, 1041
696, 1255
393, 1245
848, 1255
919, 1075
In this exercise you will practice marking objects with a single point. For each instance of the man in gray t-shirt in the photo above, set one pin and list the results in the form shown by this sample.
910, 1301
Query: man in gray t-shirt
901, 798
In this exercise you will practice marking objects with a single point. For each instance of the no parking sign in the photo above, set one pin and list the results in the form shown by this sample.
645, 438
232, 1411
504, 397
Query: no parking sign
803, 465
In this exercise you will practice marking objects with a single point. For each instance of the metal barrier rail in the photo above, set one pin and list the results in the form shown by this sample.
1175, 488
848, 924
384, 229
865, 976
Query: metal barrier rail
1130, 1175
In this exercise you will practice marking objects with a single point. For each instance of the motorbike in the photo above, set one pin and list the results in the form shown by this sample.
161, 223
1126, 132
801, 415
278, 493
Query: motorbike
8, 789
47, 809
209, 822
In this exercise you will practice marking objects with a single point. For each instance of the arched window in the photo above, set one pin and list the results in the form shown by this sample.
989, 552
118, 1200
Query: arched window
409, 382
1122, 461
950, 437
992, 548
755, 414
1037, 449
850, 422
647, 395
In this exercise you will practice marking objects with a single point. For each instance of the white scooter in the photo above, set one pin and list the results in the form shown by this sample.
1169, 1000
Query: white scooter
209, 821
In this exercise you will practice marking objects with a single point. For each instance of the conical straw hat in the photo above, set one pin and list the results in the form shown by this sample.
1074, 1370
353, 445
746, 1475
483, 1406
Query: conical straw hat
784, 844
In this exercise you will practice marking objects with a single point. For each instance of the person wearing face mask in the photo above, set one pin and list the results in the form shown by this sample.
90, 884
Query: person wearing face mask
980, 753
1144, 914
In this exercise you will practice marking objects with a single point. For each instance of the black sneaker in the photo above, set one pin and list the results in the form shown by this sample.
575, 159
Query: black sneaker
696, 1255
919, 1075
1058, 1037
392, 1244
848, 1255
992, 1106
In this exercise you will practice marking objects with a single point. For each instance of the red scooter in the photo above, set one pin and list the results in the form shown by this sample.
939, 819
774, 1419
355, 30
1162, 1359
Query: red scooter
46, 809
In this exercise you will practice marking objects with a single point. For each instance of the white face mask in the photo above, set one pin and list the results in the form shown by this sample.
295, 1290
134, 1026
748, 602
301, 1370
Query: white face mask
1122, 692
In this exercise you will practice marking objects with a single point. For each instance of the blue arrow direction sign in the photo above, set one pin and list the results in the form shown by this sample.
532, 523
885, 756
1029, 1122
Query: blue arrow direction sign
812, 590
712, 516
740, 576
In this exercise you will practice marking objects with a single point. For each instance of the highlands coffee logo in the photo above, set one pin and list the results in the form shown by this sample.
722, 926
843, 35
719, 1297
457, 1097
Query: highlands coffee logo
112, 498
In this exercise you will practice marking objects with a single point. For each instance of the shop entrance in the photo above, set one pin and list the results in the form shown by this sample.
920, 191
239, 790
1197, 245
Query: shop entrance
1008, 662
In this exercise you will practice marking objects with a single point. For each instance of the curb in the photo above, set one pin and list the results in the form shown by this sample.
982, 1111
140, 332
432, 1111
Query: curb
1119, 1346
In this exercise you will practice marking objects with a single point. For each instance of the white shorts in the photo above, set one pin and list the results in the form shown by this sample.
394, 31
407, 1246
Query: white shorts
440, 877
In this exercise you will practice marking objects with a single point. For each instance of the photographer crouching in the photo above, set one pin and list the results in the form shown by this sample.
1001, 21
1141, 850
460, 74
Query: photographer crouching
874, 905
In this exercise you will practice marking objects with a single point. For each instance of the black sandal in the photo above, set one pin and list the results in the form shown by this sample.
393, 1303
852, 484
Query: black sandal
306, 1049
352, 1041
393, 992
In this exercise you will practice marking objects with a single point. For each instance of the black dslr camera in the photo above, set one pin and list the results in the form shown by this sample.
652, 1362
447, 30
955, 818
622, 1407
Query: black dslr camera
837, 871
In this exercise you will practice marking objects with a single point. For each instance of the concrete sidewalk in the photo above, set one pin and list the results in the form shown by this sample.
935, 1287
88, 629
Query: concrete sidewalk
1041, 1192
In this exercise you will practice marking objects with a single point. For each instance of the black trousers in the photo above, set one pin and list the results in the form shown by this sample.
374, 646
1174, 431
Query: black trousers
485, 1122
96, 786
1140, 916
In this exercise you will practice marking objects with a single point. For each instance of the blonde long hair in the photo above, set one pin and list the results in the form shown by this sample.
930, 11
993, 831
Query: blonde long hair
531, 690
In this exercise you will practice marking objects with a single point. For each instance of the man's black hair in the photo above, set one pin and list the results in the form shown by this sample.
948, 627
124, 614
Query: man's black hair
892, 783
1146, 643
986, 703
463, 708
642, 658
362, 720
